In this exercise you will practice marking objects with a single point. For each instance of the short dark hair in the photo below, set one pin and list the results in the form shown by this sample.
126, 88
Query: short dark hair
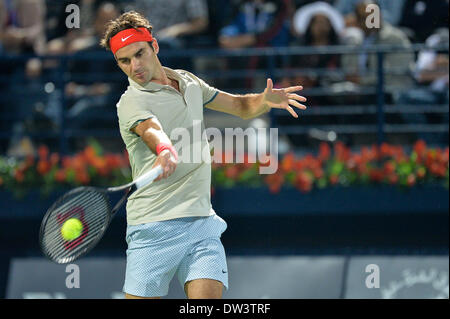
127, 20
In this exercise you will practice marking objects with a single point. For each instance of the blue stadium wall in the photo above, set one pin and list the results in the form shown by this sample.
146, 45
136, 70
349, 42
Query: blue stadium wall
335, 221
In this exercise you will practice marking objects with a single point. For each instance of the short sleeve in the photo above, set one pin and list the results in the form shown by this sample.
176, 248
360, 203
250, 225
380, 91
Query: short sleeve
209, 93
131, 113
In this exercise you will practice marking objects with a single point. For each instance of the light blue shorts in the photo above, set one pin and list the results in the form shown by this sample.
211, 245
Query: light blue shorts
188, 247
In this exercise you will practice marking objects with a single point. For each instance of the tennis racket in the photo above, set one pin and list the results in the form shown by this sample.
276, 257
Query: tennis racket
91, 206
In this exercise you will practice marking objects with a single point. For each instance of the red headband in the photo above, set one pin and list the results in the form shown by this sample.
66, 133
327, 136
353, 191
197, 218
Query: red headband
128, 36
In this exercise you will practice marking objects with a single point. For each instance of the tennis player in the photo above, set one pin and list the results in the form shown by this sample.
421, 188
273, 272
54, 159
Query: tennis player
172, 228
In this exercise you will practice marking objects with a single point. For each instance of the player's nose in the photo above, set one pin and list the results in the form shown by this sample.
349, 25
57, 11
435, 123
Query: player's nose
135, 65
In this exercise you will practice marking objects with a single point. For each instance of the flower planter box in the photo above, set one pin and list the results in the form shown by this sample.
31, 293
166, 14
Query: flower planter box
327, 221
289, 201
333, 200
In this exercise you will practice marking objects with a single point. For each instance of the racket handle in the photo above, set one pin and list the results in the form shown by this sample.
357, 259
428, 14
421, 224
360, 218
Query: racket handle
148, 177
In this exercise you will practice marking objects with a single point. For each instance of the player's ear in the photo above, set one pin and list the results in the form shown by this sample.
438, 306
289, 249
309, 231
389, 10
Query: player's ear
154, 44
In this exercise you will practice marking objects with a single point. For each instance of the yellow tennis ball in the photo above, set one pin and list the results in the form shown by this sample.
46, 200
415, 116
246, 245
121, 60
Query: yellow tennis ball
71, 229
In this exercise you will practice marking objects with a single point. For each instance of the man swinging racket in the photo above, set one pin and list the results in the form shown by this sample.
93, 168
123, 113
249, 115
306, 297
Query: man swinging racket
172, 228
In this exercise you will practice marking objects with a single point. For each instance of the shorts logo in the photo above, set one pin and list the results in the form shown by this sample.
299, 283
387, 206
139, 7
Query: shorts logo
124, 39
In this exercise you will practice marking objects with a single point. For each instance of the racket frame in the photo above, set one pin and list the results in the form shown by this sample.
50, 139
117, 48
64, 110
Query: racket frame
129, 188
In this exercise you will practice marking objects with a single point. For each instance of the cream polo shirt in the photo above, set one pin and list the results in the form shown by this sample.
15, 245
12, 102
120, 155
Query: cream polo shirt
186, 192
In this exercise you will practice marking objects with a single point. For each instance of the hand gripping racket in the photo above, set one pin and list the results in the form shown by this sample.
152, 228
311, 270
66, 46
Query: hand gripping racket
91, 206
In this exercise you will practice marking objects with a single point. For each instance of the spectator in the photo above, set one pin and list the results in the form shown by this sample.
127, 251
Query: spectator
105, 12
325, 32
315, 25
362, 68
221, 13
432, 77
424, 17
258, 23
24, 31
92, 97
29, 108
21, 31
177, 25
432, 65
391, 10
85, 96
61, 36
174, 21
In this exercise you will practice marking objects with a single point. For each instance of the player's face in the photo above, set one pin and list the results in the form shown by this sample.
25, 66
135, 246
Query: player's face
138, 61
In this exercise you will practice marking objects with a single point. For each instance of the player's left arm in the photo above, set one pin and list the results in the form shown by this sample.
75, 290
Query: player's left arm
252, 105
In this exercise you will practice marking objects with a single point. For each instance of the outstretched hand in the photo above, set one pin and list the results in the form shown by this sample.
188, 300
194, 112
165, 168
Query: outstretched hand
283, 98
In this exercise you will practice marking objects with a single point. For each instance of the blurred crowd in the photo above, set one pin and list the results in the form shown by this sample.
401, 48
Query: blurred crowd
40, 27
35, 25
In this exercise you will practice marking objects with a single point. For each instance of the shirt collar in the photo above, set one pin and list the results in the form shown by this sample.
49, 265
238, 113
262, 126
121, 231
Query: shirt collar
154, 87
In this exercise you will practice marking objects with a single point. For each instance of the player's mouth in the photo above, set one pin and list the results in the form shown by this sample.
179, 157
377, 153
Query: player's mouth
140, 74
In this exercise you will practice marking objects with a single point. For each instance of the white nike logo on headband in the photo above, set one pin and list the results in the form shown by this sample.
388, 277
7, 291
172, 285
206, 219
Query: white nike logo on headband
123, 39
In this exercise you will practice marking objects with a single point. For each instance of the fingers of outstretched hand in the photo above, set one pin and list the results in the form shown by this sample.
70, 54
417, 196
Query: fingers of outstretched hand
269, 84
293, 89
296, 97
290, 110
296, 104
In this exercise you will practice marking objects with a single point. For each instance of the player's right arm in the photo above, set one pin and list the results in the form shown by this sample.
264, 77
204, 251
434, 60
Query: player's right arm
152, 134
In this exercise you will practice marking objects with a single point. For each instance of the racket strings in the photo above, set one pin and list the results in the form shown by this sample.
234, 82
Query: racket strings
54, 225
62, 249
89, 206
54, 241
54, 236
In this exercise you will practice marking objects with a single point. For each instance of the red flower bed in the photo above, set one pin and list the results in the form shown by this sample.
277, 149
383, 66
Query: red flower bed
384, 164
329, 166
50, 172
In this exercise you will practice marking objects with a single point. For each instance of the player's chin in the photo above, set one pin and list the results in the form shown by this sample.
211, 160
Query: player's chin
141, 78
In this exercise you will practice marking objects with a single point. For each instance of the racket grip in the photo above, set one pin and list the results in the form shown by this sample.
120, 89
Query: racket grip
148, 177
